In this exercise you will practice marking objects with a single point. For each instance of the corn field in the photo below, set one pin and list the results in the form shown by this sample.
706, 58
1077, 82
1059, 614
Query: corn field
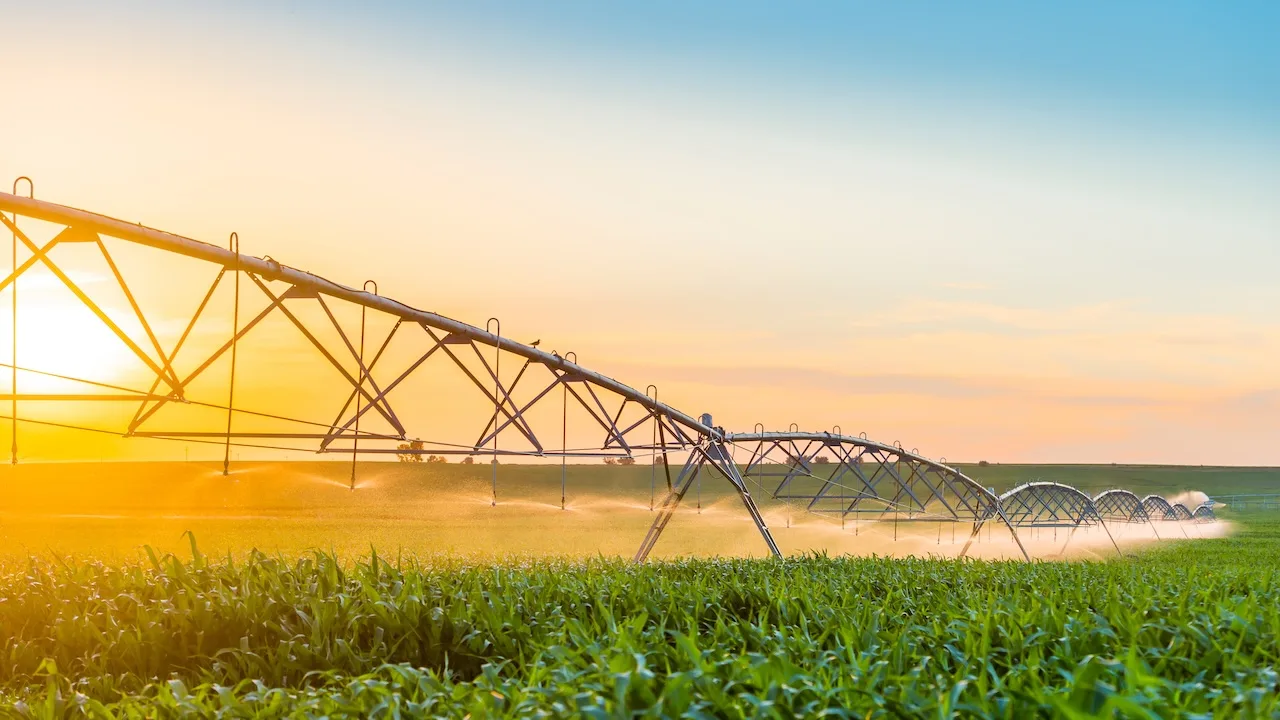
1185, 630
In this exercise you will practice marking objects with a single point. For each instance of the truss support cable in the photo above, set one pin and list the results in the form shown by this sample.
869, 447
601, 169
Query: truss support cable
235, 331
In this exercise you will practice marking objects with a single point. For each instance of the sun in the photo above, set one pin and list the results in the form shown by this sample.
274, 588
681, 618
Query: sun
61, 336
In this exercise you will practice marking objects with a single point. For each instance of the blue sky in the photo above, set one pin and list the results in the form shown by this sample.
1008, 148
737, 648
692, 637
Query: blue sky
1203, 62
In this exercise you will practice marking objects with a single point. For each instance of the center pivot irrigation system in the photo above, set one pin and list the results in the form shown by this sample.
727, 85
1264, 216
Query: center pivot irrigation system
383, 362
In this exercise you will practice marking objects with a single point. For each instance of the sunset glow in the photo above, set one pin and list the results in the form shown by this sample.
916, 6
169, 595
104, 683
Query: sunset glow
984, 247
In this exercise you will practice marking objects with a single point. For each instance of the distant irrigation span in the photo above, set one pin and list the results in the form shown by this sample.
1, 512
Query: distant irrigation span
385, 361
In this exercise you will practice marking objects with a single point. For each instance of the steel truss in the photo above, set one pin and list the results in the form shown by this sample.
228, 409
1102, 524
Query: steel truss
1047, 505
838, 475
1053, 505
1157, 508
1204, 513
627, 422
1120, 506
519, 395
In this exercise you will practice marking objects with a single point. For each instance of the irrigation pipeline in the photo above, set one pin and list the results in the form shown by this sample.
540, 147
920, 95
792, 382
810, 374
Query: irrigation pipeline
273, 270
900, 482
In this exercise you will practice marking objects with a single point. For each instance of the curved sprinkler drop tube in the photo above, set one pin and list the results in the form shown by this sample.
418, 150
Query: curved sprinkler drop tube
836, 430
235, 331
943, 461
497, 397
364, 375
13, 405
564, 430
653, 457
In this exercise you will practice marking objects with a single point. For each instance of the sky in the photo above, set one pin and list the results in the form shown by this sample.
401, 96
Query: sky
991, 230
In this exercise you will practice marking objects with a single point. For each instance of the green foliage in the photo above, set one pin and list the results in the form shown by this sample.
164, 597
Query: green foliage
1187, 629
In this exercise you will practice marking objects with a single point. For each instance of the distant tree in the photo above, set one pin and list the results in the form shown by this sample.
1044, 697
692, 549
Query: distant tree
983, 463
406, 455
626, 460
437, 459
822, 460
610, 461
468, 460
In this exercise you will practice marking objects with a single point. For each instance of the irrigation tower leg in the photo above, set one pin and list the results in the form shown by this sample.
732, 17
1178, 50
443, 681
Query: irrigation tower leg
1070, 535
1111, 537
683, 481
718, 454
1154, 531
977, 528
1014, 532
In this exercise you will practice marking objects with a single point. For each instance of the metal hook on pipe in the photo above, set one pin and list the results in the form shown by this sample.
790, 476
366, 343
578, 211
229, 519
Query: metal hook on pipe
13, 407
364, 374
497, 399
234, 242
836, 429
793, 427
758, 428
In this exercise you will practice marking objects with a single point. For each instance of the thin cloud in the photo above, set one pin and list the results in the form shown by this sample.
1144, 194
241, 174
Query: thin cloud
934, 386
